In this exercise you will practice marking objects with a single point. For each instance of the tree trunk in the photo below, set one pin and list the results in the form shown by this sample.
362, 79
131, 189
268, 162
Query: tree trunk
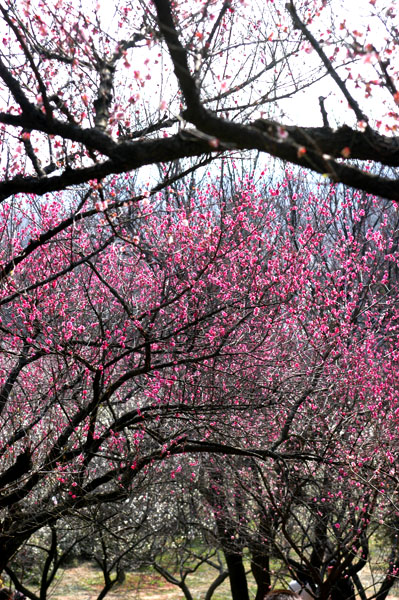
237, 576
260, 567
228, 535
218, 581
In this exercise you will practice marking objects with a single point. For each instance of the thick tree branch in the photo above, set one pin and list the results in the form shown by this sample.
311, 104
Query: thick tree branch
322, 146
106, 70
179, 58
16, 90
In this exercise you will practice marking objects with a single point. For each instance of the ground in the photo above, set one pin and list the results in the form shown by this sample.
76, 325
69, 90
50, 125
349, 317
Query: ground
83, 582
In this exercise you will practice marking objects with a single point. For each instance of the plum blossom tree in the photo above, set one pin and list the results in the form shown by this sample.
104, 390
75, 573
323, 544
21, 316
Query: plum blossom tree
90, 92
311, 515
105, 336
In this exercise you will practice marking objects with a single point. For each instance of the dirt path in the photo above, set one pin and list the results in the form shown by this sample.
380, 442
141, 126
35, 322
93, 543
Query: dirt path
84, 583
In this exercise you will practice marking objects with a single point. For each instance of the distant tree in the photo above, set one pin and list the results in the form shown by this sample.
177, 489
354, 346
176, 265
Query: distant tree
105, 335
318, 518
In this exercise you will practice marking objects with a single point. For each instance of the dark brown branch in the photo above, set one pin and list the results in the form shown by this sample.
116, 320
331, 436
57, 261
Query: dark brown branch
16, 90
128, 156
33, 119
323, 111
31, 154
179, 57
226, 5
71, 266
29, 57
388, 79
132, 155
327, 63
106, 70
22, 466
104, 99
45, 237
